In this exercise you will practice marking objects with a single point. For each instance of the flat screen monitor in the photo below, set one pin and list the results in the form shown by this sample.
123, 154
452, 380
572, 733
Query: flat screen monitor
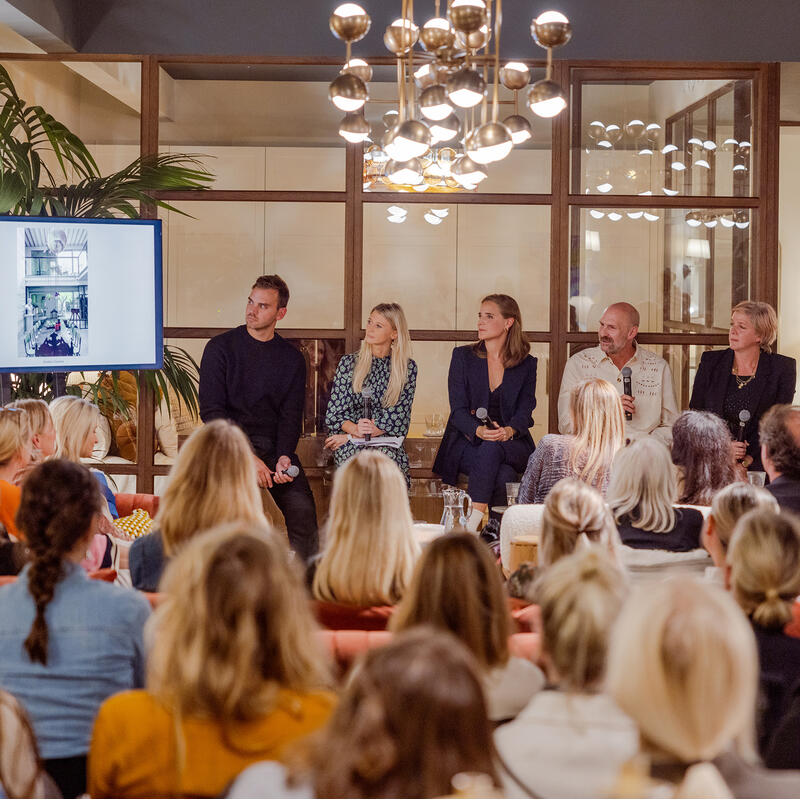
80, 294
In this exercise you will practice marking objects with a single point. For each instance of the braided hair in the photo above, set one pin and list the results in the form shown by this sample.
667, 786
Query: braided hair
59, 499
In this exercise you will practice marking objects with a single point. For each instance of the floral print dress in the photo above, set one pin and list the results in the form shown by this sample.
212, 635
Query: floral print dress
345, 404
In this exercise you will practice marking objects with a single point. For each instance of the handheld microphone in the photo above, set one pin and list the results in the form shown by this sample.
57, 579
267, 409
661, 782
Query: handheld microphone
744, 418
483, 415
627, 387
367, 393
292, 471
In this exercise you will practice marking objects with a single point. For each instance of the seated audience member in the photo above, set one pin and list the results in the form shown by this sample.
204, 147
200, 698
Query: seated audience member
521, 582
599, 432
456, 587
15, 455
701, 450
76, 422
85, 642
779, 433
682, 664
13, 554
412, 718
370, 548
764, 578
640, 495
21, 773
727, 507
572, 739
213, 481
574, 514
235, 673
43, 431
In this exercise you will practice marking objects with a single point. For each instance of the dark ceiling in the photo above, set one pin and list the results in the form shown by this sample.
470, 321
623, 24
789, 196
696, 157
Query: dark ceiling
671, 30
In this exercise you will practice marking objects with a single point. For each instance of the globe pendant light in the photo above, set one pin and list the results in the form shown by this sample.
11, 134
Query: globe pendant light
489, 142
410, 139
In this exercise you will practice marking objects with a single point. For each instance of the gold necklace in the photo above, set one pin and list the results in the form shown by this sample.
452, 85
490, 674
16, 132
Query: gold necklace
742, 382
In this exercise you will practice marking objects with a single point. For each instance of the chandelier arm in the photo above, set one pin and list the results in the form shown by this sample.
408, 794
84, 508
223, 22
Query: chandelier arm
410, 62
485, 102
498, 21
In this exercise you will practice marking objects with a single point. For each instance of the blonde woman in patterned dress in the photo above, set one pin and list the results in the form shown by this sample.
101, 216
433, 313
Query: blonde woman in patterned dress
384, 364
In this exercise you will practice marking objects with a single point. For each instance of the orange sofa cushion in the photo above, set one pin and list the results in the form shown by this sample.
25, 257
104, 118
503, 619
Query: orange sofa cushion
128, 503
337, 617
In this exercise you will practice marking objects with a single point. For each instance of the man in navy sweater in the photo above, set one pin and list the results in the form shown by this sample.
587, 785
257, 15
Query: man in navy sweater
255, 378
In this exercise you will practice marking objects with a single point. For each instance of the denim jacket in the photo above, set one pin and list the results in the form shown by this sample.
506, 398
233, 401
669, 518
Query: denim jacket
95, 649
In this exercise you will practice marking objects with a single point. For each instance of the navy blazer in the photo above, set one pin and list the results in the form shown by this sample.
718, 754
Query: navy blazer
468, 388
776, 380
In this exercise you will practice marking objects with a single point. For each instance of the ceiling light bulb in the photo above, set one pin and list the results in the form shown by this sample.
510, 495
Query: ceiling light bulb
432, 218
420, 187
546, 99
410, 139
437, 33
550, 16
396, 219
645, 194
519, 128
433, 103
488, 143
744, 145
551, 29
467, 172
693, 219
446, 129
709, 145
604, 143
646, 151
359, 68
515, 75
669, 148
701, 162
466, 88
440, 212
653, 127
597, 214
400, 36
742, 225
349, 22
730, 144
348, 92
740, 168
605, 187
650, 217
635, 128
710, 223
397, 210
404, 172
635, 214
678, 166
354, 128
695, 141
614, 216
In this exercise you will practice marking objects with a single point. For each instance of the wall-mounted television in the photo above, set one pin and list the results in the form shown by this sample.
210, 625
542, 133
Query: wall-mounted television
80, 294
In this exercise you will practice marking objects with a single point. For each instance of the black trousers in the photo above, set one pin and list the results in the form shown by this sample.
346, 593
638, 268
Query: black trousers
69, 774
490, 465
296, 502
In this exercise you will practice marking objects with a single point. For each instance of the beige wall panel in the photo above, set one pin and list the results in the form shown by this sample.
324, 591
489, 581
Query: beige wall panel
522, 171
433, 362
304, 244
789, 234
114, 157
299, 168
233, 167
412, 263
504, 249
213, 260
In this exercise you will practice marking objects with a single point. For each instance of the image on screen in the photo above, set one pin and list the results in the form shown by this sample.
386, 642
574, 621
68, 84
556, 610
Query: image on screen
53, 299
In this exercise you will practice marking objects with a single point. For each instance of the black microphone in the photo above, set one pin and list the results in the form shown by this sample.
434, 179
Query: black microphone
627, 387
483, 415
367, 393
744, 418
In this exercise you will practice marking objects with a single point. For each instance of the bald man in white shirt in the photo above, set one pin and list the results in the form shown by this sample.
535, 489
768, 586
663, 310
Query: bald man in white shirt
652, 405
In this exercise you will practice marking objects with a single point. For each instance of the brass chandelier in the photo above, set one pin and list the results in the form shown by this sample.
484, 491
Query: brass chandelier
458, 59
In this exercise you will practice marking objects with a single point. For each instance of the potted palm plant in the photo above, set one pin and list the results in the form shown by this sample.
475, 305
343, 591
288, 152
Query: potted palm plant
74, 187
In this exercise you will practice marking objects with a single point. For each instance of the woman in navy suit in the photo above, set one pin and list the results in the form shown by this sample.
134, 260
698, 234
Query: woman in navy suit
499, 374
747, 376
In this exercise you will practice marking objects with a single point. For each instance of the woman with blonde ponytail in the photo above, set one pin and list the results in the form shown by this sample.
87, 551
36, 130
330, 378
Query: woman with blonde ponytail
384, 364
764, 579
576, 515
68, 642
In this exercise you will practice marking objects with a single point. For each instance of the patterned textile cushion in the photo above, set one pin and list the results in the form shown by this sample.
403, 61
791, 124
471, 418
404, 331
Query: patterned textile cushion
136, 524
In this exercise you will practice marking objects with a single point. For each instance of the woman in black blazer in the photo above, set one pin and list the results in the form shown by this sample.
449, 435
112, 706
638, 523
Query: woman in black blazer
499, 374
745, 377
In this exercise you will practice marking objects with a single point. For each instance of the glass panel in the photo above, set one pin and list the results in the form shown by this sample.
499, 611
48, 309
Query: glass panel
677, 137
683, 269
99, 102
439, 271
264, 126
214, 255
525, 170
